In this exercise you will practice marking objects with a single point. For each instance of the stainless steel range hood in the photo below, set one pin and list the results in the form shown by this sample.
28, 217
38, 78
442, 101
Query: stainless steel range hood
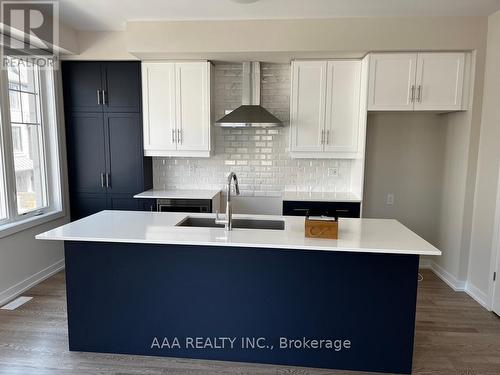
250, 113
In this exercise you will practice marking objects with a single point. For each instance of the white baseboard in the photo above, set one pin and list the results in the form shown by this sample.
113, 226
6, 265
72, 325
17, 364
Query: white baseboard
425, 264
14, 291
455, 284
478, 295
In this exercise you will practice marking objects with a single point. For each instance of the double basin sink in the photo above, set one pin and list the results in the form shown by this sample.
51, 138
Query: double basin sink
206, 222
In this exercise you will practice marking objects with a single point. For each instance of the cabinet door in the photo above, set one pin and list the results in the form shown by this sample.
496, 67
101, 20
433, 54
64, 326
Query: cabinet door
316, 208
342, 106
81, 82
307, 115
123, 202
440, 80
122, 85
86, 152
392, 81
192, 106
147, 205
124, 153
82, 205
158, 96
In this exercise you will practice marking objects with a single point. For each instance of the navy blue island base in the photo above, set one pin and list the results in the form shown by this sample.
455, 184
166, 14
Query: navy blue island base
327, 309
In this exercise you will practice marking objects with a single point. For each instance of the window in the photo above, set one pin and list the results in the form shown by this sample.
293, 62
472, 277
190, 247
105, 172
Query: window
25, 118
17, 139
29, 147
3, 201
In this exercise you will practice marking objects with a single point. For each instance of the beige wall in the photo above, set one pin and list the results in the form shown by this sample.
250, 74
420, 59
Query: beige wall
488, 165
101, 45
24, 260
453, 211
404, 156
280, 40
299, 37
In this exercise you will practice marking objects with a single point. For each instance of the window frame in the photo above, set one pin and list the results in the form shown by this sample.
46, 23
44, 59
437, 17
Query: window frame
50, 118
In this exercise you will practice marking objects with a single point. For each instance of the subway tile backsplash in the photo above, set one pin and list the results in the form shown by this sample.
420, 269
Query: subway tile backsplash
259, 157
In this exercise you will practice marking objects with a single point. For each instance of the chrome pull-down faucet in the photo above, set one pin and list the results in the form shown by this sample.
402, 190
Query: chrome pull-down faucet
228, 221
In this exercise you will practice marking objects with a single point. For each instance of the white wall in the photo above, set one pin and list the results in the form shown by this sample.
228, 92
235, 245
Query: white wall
488, 165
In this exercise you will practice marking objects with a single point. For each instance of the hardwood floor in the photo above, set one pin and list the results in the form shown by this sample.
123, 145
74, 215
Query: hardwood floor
454, 335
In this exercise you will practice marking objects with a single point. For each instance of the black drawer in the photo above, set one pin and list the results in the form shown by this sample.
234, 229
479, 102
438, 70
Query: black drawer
314, 208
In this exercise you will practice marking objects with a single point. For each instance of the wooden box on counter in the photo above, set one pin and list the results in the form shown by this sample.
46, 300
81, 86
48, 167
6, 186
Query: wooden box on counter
322, 227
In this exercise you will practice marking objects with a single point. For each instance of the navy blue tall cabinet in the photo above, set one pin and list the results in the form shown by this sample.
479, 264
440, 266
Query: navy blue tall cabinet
106, 163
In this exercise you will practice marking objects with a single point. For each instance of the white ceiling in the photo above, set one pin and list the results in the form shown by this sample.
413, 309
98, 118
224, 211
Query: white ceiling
113, 14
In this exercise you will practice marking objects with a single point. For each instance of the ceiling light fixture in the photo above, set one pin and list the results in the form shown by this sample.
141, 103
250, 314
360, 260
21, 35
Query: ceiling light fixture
244, 1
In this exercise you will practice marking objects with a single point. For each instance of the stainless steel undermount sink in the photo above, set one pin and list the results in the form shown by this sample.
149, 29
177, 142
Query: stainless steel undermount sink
207, 222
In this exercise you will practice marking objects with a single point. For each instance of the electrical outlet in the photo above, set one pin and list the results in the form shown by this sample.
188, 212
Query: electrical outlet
390, 199
333, 172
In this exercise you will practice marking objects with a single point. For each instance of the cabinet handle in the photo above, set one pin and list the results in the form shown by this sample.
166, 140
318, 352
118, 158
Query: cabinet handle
419, 94
173, 136
179, 135
102, 179
327, 136
322, 137
98, 97
108, 178
412, 93
104, 97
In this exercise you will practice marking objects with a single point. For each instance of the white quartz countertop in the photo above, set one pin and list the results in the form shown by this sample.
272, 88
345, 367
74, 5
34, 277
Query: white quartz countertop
355, 235
320, 197
178, 194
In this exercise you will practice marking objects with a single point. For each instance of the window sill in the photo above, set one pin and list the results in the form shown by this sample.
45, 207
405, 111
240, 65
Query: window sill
20, 225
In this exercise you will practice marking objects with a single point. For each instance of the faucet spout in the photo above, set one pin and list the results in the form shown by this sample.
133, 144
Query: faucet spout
232, 176
228, 221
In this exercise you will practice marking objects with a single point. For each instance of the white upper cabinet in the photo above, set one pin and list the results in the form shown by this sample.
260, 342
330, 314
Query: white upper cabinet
158, 100
307, 117
325, 108
392, 81
342, 106
440, 81
176, 113
431, 81
193, 107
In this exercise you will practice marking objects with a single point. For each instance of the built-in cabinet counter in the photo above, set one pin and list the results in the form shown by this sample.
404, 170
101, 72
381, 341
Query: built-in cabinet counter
106, 163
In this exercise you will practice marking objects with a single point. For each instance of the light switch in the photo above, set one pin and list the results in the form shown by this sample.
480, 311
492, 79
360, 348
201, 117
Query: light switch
390, 199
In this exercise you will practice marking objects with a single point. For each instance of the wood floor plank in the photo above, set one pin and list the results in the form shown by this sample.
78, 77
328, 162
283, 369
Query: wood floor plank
454, 336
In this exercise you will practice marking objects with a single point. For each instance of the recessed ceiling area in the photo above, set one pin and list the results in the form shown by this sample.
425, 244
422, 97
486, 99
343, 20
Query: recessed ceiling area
113, 14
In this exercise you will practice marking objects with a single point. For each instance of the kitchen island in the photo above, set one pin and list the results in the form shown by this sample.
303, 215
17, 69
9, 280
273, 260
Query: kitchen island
161, 284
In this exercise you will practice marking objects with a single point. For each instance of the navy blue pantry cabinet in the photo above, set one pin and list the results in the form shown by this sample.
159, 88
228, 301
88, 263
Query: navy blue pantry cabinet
106, 166
93, 86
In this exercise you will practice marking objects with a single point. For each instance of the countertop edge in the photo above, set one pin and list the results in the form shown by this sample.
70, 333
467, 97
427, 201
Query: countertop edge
259, 246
